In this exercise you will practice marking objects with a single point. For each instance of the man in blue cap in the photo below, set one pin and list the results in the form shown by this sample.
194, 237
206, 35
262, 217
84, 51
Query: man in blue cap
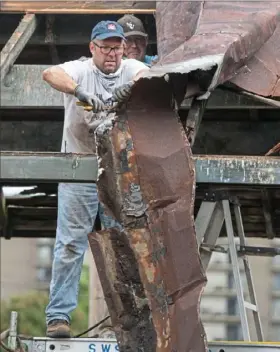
98, 81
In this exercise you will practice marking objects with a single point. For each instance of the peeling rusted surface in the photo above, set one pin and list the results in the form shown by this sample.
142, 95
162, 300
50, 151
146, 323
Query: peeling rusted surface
123, 290
218, 42
116, 186
144, 150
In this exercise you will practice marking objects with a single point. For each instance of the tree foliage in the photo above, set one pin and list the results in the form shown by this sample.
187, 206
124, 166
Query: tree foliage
31, 310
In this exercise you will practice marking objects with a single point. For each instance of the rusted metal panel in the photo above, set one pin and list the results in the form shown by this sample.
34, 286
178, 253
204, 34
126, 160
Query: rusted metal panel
176, 22
123, 290
119, 189
77, 6
231, 41
147, 182
262, 72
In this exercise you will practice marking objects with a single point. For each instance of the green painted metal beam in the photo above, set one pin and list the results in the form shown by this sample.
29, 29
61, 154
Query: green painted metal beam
24, 87
60, 167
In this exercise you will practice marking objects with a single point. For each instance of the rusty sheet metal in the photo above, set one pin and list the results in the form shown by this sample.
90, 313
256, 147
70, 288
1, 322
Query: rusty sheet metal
231, 41
262, 73
147, 182
123, 290
119, 190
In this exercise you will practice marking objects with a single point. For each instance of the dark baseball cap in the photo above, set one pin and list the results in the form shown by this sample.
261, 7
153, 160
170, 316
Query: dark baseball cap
132, 26
107, 29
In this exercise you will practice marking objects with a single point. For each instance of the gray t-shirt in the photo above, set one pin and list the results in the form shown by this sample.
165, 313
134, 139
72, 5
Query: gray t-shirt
79, 125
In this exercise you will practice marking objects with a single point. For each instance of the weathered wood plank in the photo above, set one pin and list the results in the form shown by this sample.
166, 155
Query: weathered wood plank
57, 167
78, 7
16, 43
24, 87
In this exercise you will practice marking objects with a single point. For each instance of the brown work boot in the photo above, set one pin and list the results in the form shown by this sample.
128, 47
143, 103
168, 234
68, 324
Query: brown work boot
58, 329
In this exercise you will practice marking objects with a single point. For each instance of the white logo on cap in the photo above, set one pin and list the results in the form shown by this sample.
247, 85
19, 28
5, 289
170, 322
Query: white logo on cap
130, 25
112, 26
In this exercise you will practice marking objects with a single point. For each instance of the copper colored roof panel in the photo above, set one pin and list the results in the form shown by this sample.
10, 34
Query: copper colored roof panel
147, 182
220, 42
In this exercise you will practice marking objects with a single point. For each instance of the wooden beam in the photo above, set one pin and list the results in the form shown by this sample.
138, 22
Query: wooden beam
267, 212
194, 119
24, 87
16, 43
58, 167
78, 7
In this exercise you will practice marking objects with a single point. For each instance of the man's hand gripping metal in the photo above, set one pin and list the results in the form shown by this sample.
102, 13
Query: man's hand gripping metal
122, 93
90, 102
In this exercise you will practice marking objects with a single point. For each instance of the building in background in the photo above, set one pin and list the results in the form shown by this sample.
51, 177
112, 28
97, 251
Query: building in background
219, 306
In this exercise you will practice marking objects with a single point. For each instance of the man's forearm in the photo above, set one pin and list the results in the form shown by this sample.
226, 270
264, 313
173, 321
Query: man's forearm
59, 80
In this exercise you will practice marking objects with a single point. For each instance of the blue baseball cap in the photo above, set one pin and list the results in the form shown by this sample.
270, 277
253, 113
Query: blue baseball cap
107, 29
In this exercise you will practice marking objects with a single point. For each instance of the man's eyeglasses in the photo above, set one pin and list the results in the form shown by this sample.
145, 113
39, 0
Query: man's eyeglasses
107, 49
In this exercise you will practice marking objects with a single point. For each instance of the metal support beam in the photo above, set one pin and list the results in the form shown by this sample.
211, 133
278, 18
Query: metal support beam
58, 167
16, 43
24, 87
79, 7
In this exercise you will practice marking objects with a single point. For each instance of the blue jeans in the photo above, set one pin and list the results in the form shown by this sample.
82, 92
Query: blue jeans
77, 209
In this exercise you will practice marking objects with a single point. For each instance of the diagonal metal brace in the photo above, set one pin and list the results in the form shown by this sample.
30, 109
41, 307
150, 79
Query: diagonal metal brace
16, 43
